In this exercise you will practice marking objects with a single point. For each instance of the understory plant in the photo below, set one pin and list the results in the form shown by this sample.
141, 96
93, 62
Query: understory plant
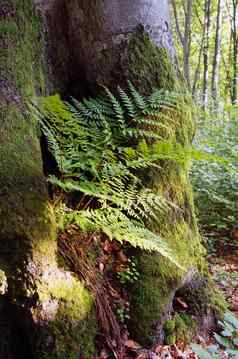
215, 182
104, 147
226, 341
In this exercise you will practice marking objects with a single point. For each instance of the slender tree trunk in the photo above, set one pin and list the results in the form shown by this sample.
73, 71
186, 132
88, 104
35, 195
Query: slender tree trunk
199, 61
185, 36
187, 41
234, 34
207, 21
217, 52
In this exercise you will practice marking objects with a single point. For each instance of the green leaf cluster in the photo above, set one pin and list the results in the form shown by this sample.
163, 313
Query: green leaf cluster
104, 147
227, 340
216, 182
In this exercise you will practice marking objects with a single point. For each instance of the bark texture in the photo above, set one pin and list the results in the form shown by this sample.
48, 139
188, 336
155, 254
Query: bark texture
47, 305
89, 43
119, 41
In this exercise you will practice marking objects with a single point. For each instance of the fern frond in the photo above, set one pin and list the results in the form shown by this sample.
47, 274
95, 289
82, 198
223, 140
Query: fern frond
118, 110
118, 226
127, 102
90, 141
139, 100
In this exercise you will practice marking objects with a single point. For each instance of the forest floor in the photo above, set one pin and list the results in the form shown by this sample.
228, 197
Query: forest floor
223, 265
224, 269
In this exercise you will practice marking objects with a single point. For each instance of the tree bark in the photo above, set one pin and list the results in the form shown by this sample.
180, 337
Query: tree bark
217, 52
89, 43
45, 304
185, 37
234, 35
207, 24
119, 41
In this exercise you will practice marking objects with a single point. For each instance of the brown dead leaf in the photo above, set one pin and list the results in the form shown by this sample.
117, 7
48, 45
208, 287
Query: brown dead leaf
181, 303
131, 344
101, 267
107, 247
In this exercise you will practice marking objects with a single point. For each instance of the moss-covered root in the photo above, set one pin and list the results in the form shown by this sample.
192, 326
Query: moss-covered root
179, 328
204, 300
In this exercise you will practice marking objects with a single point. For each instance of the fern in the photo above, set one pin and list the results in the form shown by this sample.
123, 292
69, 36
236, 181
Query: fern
90, 141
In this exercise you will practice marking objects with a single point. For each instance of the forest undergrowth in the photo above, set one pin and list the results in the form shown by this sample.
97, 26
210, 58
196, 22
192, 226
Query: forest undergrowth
103, 211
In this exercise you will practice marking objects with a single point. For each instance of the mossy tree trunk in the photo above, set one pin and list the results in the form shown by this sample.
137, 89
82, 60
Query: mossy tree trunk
120, 40
47, 308
89, 43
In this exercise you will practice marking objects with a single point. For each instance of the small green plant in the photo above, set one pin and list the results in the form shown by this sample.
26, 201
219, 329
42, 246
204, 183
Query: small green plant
226, 340
129, 274
122, 313
101, 145
215, 182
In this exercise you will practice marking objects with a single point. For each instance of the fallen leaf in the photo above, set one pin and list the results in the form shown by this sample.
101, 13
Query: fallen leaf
101, 267
180, 302
131, 344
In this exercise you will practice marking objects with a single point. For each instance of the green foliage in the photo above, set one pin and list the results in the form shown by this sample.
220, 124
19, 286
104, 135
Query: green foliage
180, 327
122, 313
129, 274
227, 340
215, 183
103, 147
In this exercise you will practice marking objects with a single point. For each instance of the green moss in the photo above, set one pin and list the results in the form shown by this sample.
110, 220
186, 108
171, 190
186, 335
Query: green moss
219, 302
74, 298
22, 59
27, 230
180, 328
170, 339
74, 342
147, 65
152, 296
149, 300
169, 326
70, 318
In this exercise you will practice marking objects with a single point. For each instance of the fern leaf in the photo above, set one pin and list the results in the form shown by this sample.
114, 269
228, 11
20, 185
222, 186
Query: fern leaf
138, 99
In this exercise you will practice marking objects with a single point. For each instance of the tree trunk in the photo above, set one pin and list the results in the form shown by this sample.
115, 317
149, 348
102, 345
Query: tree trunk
234, 35
207, 23
89, 43
187, 41
185, 37
217, 51
44, 304
119, 41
